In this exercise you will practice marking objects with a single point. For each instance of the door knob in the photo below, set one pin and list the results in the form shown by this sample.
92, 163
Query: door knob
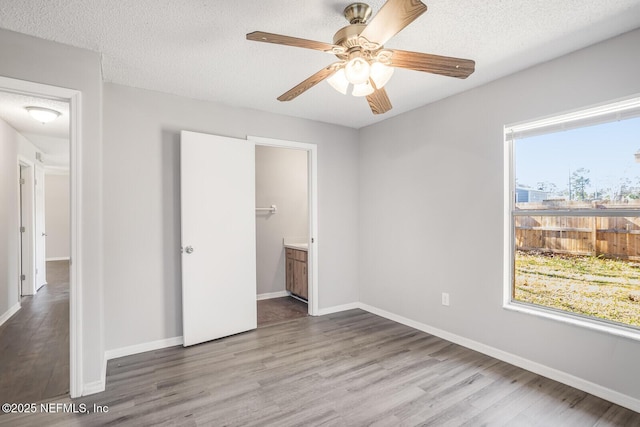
188, 249
44, 234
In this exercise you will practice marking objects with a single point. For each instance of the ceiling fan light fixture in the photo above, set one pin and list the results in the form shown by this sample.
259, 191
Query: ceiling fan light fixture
43, 115
380, 74
339, 81
364, 65
362, 89
357, 70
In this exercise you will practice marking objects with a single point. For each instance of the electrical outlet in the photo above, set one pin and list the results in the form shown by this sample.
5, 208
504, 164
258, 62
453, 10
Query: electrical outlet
445, 298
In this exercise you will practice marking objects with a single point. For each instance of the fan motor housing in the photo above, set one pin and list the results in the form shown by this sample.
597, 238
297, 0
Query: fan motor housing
348, 36
357, 13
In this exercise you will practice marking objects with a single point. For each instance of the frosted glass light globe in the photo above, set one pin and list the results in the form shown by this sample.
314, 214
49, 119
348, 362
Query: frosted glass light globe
357, 71
339, 81
363, 89
380, 74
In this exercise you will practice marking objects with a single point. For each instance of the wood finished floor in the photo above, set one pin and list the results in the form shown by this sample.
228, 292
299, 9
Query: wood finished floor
277, 310
34, 342
345, 369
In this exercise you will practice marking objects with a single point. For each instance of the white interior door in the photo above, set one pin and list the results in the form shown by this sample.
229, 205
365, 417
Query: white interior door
218, 236
40, 231
27, 244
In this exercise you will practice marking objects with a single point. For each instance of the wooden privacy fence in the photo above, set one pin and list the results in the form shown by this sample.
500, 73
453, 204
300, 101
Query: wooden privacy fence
612, 237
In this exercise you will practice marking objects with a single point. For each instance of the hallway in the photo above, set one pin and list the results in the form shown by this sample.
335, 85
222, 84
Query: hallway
34, 343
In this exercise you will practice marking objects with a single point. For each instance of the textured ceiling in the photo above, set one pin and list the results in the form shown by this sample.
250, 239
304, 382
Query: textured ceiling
197, 48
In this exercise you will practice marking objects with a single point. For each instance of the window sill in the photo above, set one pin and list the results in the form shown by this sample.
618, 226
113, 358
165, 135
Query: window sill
572, 319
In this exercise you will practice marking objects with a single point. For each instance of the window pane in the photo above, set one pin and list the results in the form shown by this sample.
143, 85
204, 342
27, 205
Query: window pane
592, 286
583, 264
588, 167
606, 237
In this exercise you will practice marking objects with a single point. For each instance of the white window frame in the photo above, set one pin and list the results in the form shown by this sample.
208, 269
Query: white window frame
603, 113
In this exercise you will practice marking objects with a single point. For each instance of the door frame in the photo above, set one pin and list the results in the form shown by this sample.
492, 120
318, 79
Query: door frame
312, 174
74, 98
40, 226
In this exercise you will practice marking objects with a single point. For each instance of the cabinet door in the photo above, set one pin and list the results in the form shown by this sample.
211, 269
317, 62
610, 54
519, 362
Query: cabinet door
289, 275
300, 274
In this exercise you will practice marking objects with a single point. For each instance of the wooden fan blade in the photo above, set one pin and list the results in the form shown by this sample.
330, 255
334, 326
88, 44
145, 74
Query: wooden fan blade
392, 17
309, 83
436, 64
260, 36
379, 101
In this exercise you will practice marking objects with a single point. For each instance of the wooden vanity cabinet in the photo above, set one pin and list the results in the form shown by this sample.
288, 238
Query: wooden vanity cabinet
296, 272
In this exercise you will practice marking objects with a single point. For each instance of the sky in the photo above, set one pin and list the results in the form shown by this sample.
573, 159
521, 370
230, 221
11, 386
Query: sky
606, 150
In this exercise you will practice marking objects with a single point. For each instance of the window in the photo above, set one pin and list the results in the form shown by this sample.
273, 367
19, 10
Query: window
574, 216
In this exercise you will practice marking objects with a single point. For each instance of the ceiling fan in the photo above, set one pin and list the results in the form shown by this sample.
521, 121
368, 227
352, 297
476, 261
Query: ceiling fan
364, 65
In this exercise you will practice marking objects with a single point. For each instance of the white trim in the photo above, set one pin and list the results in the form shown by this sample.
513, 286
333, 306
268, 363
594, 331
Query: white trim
271, 295
577, 212
610, 111
97, 386
546, 371
312, 170
93, 387
74, 98
62, 258
573, 319
39, 212
7, 314
75, 262
338, 308
141, 348
509, 238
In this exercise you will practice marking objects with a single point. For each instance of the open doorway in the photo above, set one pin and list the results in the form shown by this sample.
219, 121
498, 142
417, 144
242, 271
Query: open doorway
218, 233
35, 338
285, 230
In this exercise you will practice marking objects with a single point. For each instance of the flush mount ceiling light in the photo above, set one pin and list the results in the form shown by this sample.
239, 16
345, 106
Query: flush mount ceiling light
43, 115
364, 64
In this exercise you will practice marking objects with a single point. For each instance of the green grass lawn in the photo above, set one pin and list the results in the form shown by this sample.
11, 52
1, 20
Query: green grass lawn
592, 286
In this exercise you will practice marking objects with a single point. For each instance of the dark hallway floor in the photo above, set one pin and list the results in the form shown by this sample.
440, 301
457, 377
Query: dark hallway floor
34, 343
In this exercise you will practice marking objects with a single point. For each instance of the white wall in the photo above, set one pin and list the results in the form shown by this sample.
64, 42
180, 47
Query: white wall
40, 61
57, 215
281, 180
27, 150
9, 219
142, 204
428, 239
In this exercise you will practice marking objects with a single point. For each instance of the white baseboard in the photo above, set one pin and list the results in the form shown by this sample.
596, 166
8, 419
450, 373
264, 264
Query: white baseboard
99, 385
546, 371
141, 348
270, 295
93, 387
58, 259
7, 315
338, 308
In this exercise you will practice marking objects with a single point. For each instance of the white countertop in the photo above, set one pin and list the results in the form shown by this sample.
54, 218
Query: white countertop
297, 246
